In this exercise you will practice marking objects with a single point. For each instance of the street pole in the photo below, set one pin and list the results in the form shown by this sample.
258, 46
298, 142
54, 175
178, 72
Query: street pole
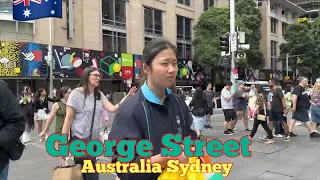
232, 30
50, 59
287, 63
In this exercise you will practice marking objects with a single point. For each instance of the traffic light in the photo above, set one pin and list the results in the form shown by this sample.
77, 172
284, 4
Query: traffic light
224, 44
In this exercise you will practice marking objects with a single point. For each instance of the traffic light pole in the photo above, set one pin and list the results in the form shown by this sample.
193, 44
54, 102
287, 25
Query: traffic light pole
232, 53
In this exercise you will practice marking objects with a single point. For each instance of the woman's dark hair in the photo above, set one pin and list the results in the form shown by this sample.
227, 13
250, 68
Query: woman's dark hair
84, 82
40, 90
260, 90
151, 50
63, 90
198, 97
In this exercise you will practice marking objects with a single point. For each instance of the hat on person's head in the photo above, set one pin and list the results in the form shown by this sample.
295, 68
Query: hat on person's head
241, 83
228, 83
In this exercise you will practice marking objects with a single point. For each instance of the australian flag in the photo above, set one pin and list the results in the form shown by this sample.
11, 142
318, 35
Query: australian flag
25, 10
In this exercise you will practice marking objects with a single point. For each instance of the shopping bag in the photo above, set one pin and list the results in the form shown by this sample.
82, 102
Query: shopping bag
67, 172
104, 135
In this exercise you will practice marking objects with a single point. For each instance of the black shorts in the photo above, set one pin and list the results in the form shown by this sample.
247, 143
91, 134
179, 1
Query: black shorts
210, 111
301, 114
229, 114
276, 116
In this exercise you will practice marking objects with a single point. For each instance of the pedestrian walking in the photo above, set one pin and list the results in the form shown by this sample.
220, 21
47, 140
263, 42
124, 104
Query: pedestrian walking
241, 105
83, 113
315, 104
12, 125
212, 103
41, 107
301, 105
230, 114
26, 105
58, 111
277, 107
261, 109
252, 101
199, 106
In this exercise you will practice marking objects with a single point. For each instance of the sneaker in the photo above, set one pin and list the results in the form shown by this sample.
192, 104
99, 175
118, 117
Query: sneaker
293, 135
232, 131
314, 134
228, 133
265, 138
248, 129
298, 123
278, 136
288, 138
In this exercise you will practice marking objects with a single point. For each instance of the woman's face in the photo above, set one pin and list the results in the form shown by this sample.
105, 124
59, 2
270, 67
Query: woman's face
163, 70
94, 78
44, 93
66, 95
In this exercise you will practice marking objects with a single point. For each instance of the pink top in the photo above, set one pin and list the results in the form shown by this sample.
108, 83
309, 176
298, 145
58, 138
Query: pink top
105, 115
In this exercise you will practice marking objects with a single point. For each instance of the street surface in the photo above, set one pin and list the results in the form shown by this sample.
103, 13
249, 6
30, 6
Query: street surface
295, 160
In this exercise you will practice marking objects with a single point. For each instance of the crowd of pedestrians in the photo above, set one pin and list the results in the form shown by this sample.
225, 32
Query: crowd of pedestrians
271, 109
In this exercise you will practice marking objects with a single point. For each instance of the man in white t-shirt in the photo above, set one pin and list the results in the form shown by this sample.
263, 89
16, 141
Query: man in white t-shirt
227, 108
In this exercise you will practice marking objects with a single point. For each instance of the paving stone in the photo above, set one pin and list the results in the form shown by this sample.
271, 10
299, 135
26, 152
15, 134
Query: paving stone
267, 149
272, 176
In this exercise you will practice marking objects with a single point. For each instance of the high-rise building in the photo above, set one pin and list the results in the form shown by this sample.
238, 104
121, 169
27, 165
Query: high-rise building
308, 5
276, 16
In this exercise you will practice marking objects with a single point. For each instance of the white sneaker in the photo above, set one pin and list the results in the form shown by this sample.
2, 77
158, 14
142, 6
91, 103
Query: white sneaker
298, 123
278, 136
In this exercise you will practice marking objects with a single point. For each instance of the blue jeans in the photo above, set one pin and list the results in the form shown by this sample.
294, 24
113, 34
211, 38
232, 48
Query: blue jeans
4, 173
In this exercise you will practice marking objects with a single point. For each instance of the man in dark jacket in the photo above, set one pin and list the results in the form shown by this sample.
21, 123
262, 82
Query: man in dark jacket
12, 125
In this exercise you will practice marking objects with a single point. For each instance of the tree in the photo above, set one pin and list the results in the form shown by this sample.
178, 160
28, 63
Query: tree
216, 22
249, 15
300, 41
211, 25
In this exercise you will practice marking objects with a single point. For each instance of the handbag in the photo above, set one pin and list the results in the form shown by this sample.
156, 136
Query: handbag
262, 117
103, 136
69, 172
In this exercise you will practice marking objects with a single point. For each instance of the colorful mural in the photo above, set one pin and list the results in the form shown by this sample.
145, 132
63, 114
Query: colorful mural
72, 61
189, 70
22, 59
137, 66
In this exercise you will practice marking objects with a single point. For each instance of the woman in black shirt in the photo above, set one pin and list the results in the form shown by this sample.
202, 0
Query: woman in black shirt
41, 109
199, 107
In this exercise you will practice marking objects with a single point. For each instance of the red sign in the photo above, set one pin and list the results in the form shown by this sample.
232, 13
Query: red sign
127, 72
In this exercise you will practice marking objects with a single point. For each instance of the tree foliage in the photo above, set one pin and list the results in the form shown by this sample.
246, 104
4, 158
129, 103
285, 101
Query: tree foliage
216, 22
302, 39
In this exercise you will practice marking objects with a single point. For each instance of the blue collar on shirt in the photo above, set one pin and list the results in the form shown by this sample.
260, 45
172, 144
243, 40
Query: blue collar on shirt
150, 96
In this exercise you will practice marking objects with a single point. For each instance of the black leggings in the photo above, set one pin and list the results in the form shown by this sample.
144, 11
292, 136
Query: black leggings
264, 125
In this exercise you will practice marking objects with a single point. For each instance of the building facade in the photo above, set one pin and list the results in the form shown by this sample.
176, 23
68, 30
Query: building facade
102, 31
276, 16
308, 5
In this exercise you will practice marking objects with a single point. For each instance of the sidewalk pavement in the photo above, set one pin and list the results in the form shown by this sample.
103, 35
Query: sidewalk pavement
295, 160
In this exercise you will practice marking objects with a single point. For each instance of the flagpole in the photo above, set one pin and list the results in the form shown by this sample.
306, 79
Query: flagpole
50, 58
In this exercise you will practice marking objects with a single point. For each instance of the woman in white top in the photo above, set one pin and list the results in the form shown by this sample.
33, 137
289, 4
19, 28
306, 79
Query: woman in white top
83, 113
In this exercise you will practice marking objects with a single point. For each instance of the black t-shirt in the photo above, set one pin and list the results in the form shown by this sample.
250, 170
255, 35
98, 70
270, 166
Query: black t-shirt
240, 103
276, 96
303, 97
